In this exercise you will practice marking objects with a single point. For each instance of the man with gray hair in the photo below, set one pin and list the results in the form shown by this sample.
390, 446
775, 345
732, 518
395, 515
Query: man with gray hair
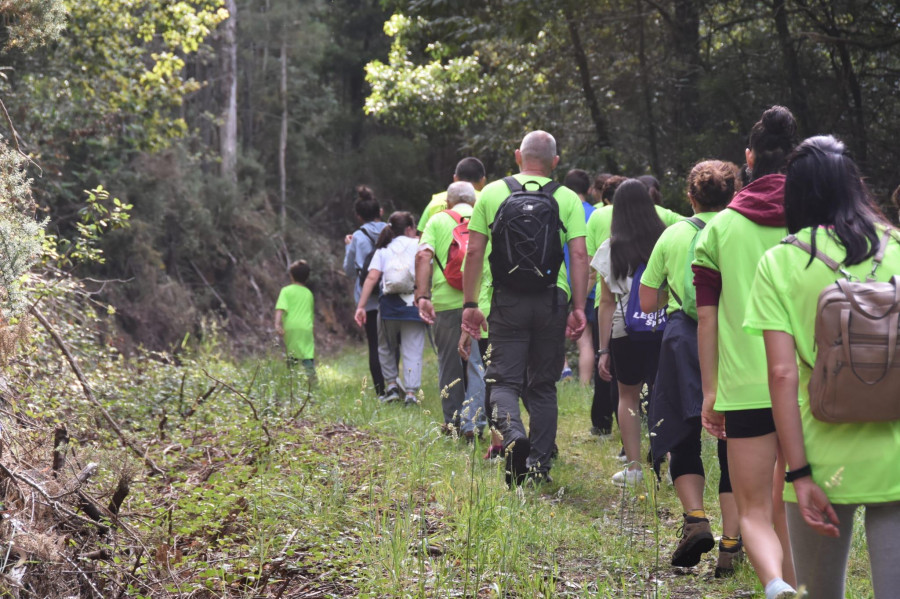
439, 299
528, 321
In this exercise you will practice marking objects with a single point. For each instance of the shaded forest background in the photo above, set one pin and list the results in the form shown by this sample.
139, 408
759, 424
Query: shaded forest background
238, 137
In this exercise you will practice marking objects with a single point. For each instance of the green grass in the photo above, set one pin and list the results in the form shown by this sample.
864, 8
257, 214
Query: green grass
270, 496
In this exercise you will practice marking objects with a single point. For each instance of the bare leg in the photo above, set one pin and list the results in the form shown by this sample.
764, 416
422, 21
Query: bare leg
586, 363
731, 524
751, 463
689, 488
630, 423
779, 517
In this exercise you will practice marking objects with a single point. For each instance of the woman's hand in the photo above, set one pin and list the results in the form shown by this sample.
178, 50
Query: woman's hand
815, 507
713, 422
603, 368
360, 317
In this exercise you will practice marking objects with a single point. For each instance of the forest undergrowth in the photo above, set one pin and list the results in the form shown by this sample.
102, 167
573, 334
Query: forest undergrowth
237, 480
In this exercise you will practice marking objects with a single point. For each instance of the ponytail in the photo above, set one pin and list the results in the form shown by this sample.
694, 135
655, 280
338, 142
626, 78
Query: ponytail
397, 225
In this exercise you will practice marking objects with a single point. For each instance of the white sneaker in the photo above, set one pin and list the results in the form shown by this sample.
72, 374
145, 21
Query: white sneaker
628, 477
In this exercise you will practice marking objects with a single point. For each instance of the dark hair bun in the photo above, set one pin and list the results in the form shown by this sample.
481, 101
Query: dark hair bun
779, 122
364, 192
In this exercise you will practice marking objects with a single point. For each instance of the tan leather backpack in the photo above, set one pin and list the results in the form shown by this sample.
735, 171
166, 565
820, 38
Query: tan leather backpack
856, 377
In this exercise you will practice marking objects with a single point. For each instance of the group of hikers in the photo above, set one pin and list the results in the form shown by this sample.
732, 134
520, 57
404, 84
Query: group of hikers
769, 318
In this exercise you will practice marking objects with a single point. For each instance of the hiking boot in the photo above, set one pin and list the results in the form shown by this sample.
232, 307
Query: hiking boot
696, 539
628, 478
493, 452
603, 435
516, 458
538, 477
728, 558
392, 393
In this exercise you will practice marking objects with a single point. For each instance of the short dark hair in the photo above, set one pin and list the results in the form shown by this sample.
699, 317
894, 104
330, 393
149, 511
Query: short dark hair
470, 169
366, 206
823, 187
634, 230
772, 139
578, 181
299, 271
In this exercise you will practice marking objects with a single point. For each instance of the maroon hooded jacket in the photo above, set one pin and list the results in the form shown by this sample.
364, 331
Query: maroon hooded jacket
762, 201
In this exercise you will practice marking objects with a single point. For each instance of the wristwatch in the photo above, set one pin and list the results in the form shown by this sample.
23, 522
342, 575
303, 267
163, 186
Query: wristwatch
421, 297
470, 305
602, 352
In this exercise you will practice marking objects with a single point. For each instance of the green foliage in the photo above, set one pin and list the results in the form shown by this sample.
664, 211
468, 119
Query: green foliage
99, 216
31, 23
20, 233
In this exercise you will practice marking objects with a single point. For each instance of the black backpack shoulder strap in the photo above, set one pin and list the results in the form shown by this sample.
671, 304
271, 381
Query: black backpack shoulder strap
369, 235
697, 222
513, 184
550, 187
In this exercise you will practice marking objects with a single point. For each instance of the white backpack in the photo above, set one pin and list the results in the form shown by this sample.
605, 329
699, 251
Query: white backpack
399, 276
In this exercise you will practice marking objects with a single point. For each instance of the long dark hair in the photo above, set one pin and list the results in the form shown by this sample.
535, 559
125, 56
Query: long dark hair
824, 188
397, 225
772, 138
635, 228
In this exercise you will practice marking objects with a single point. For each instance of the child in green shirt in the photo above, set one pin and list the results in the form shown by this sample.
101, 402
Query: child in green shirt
294, 313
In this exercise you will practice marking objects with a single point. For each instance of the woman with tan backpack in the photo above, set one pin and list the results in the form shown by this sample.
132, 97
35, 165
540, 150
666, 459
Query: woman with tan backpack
833, 370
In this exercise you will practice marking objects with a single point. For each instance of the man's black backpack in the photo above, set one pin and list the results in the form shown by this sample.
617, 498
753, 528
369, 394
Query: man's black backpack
526, 251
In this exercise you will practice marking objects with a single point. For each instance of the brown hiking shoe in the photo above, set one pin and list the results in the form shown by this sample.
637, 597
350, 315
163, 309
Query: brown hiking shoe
696, 539
728, 558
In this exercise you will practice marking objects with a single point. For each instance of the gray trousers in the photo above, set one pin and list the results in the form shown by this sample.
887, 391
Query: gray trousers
527, 337
821, 562
412, 344
461, 403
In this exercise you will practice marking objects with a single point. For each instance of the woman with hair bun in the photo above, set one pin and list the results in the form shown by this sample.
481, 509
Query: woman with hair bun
394, 258
677, 394
834, 467
736, 402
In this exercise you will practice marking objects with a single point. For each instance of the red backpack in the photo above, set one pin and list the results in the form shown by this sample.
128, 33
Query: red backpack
457, 252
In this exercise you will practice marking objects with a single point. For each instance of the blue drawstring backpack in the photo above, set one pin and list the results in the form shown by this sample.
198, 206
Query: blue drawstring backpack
639, 324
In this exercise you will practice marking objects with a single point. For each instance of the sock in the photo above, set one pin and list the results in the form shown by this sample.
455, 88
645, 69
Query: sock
728, 542
776, 587
696, 514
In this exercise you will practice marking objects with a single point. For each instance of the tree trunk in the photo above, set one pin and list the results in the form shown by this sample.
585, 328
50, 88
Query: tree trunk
228, 134
687, 68
282, 140
799, 104
647, 95
600, 127
852, 82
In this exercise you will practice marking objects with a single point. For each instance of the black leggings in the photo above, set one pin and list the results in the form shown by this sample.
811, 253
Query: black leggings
606, 393
374, 363
685, 459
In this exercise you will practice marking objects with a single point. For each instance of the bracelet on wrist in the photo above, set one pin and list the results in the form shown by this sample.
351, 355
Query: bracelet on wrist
602, 351
470, 305
421, 297
792, 475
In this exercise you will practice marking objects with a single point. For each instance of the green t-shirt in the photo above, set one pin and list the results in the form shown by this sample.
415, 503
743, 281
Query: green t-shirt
437, 204
437, 236
599, 227
854, 462
571, 213
298, 305
732, 244
668, 261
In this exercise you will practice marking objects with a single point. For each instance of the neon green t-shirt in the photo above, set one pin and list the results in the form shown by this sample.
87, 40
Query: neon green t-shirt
437, 204
571, 213
732, 244
299, 309
599, 227
668, 261
853, 462
437, 236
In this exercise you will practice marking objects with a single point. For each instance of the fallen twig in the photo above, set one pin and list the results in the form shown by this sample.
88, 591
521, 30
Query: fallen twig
89, 394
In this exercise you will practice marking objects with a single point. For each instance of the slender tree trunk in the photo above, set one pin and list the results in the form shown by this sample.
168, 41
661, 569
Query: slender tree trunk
852, 82
282, 140
647, 95
228, 133
799, 103
687, 67
600, 126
